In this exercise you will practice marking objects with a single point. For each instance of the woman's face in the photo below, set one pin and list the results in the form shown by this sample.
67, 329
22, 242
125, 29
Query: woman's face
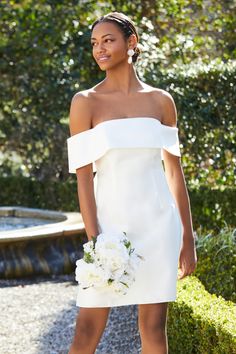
109, 45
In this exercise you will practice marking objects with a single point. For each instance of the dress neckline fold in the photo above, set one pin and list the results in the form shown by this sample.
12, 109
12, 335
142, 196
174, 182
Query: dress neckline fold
118, 120
128, 119
91, 144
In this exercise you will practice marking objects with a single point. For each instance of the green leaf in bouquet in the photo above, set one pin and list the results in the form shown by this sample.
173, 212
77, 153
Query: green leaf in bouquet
127, 244
88, 258
124, 284
94, 239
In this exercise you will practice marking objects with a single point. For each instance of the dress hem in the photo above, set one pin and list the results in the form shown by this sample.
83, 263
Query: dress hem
129, 303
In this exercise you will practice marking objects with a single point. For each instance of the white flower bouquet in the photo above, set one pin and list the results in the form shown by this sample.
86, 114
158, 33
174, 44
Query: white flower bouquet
109, 263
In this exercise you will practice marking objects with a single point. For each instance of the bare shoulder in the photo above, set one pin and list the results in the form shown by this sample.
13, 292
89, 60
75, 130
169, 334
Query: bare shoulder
166, 103
80, 112
168, 108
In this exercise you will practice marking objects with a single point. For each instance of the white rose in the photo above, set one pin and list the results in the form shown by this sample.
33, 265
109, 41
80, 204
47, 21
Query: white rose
127, 278
110, 244
88, 247
87, 274
119, 288
111, 240
111, 258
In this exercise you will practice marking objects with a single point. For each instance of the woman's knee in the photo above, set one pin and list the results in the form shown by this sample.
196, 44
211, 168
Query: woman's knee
152, 322
84, 337
89, 327
153, 328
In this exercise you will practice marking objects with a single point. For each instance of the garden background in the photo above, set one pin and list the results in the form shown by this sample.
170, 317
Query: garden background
188, 49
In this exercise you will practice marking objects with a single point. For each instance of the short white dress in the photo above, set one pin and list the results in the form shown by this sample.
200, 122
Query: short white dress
132, 195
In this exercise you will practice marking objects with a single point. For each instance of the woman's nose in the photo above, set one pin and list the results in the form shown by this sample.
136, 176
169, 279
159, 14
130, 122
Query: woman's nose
100, 47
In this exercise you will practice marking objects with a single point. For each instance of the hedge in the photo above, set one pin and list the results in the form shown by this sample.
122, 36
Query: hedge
200, 323
211, 209
21, 191
216, 266
205, 100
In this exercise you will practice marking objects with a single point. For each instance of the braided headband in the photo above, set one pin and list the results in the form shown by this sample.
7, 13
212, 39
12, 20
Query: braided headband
125, 23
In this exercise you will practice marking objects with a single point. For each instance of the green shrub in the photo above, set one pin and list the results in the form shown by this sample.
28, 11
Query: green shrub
47, 194
205, 100
216, 266
212, 209
200, 323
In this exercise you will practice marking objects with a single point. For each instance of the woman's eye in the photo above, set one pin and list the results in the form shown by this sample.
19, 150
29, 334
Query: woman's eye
106, 41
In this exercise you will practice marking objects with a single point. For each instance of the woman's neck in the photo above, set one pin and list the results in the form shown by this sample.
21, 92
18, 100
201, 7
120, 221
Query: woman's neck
123, 79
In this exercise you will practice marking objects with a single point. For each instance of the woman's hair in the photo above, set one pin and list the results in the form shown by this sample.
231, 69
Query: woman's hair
125, 24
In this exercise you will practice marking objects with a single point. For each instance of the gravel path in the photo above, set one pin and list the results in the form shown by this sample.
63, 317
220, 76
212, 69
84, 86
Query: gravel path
37, 316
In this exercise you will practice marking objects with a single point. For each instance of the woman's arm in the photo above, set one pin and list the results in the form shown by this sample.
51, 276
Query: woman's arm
80, 120
176, 181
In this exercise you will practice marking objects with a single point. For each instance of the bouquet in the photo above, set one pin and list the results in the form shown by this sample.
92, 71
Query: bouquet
109, 263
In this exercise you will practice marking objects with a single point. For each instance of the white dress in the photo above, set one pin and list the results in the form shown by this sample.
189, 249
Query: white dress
132, 195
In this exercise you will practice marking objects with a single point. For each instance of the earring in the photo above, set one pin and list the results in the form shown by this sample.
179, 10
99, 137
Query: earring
130, 53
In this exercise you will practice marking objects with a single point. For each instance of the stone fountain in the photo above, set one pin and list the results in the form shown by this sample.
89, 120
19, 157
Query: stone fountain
36, 241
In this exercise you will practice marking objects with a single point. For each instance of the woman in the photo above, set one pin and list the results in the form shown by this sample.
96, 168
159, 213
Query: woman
123, 128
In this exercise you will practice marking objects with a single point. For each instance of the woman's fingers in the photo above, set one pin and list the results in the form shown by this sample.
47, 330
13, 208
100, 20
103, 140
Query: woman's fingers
186, 269
182, 272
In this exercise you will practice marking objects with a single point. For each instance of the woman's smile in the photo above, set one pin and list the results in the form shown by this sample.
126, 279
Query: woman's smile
103, 58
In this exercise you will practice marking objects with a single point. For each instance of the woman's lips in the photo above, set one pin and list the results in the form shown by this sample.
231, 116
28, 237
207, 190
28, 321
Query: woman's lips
103, 58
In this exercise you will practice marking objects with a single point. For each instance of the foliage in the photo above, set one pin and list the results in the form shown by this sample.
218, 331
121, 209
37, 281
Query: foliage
48, 194
205, 99
199, 322
211, 209
46, 58
216, 266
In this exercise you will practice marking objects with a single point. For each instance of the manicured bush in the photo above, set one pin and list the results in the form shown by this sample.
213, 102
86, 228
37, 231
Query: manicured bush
205, 100
200, 323
61, 196
216, 266
212, 209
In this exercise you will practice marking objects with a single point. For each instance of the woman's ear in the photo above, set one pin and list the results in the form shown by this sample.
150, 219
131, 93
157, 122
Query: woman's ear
132, 41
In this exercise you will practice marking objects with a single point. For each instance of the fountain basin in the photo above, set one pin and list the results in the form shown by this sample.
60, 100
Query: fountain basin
49, 248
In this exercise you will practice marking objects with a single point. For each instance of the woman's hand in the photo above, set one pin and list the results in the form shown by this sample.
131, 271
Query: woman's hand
188, 258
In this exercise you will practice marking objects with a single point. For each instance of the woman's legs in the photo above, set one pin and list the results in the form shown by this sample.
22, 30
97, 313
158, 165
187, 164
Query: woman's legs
90, 324
152, 327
